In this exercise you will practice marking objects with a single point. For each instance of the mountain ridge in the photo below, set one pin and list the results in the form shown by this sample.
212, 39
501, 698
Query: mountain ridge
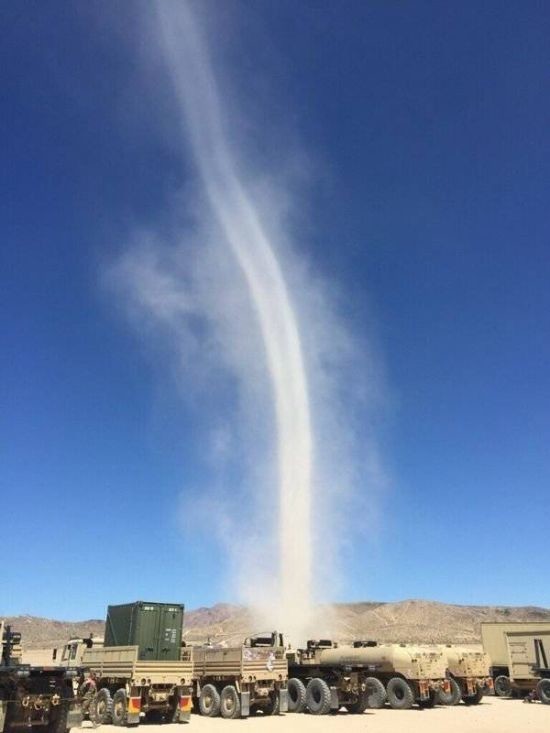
410, 620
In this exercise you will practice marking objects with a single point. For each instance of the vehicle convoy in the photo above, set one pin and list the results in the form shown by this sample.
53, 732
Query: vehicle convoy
519, 654
237, 681
468, 674
36, 697
140, 669
325, 676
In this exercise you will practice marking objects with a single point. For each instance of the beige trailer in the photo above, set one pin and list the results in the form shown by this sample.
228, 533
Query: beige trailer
493, 637
529, 662
117, 687
238, 681
469, 675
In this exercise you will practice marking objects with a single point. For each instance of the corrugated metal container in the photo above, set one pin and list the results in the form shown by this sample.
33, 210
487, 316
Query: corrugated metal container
155, 628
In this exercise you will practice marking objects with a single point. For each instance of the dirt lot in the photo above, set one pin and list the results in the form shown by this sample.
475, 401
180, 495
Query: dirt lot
492, 716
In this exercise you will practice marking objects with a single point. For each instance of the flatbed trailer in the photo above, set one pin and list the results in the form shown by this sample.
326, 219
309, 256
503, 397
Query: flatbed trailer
237, 681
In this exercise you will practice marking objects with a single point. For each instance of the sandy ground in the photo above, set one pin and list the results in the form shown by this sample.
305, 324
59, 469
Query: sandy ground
493, 715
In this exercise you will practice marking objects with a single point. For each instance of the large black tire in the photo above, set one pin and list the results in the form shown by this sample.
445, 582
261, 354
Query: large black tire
101, 708
209, 701
376, 693
361, 704
296, 695
450, 698
58, 720
474, 699
543, 691
230, 703
120, 707
400, 694
503, 686
318, 697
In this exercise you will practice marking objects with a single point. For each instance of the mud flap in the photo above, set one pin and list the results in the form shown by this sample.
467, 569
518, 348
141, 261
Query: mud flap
283, 701
132, 719
74, 718
334, 699
3, 709
245, 704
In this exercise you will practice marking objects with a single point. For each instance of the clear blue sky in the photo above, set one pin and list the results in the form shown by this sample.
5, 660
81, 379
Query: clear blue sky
431, 120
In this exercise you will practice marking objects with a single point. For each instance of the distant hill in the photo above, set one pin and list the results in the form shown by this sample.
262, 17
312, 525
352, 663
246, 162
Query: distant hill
404, 621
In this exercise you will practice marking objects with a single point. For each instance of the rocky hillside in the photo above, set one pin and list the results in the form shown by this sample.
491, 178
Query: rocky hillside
404, 621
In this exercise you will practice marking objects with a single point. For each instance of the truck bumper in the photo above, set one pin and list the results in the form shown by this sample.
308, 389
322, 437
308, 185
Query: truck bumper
283, 701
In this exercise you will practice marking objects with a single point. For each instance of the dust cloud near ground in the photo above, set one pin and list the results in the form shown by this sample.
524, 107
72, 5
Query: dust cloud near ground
493, 715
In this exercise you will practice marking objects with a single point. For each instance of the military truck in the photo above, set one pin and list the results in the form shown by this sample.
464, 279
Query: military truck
140, 669
529, 656
325, 676
235, 682
469, 675
493, 637
37, 697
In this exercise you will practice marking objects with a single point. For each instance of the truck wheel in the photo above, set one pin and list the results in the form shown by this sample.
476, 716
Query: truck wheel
400, 694
543, 691
209, 701
450, 698
120, 707
360, 705
101, 708
296, 695
376, 693
503, 686
318, 697
474, 699
230, 703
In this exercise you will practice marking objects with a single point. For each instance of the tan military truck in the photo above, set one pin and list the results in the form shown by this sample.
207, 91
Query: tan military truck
529, 657
34, 697
493, 637
236, 681
117, 687
326, 676
469, 675
123, 681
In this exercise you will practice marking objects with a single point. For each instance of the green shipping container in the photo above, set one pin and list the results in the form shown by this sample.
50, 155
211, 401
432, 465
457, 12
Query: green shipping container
156, 628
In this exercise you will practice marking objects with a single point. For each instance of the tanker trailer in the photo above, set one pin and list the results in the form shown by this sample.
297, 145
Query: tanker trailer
469, 675
325, 676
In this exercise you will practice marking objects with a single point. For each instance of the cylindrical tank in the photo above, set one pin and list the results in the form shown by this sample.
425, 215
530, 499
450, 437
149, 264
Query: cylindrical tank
466, 661
388, 659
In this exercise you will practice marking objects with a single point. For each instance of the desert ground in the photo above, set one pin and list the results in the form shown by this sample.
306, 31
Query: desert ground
493, 715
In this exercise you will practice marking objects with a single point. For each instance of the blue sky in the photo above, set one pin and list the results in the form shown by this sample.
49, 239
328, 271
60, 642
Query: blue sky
429, 125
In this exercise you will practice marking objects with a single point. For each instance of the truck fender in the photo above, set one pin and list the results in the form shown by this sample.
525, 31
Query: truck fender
245, 704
